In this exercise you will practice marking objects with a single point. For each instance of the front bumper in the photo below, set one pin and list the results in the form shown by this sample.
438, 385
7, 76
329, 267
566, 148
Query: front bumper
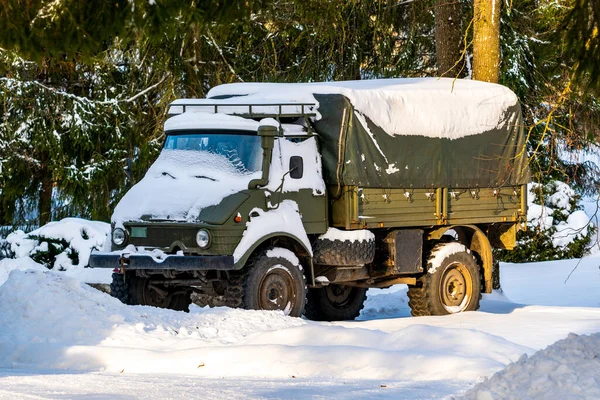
177, 263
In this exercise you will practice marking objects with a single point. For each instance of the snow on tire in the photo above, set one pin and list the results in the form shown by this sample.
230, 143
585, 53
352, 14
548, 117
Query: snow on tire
274, 281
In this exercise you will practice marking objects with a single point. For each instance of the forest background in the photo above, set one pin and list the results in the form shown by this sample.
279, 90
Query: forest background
84, 85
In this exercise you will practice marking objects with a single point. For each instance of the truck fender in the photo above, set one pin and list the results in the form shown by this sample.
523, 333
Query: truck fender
286, 240
477, 241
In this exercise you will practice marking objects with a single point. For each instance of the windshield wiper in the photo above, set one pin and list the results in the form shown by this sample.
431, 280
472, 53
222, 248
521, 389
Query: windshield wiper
166, 173
205, 177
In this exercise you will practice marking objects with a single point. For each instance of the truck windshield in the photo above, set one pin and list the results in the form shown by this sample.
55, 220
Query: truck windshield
242, 152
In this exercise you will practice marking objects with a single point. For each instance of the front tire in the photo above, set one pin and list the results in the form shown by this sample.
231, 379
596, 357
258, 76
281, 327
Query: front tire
134, 290
274, 281
335, 303
451, 285
120, 288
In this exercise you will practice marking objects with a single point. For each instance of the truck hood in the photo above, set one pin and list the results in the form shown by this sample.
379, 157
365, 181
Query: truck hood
179, 185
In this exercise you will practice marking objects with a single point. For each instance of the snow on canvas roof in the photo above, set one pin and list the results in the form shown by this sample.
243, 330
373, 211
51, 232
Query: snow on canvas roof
431, 107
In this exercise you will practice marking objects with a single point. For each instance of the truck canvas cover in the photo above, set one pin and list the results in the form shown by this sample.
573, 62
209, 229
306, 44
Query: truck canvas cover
402, 133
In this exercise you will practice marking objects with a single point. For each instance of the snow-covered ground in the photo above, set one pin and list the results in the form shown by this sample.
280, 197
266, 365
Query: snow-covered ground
63, 339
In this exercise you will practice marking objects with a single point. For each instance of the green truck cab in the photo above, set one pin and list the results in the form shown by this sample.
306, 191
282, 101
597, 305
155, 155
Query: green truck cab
300, 197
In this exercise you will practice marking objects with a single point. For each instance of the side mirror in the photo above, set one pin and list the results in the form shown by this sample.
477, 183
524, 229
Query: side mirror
296, 167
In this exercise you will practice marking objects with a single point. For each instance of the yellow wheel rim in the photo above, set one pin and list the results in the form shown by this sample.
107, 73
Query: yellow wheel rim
456, 288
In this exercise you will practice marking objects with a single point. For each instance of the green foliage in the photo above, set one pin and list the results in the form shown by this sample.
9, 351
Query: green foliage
581, 28
76, 141
536, 245
40, 29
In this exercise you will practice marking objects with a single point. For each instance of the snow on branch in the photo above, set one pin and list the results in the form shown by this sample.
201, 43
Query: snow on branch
18, 83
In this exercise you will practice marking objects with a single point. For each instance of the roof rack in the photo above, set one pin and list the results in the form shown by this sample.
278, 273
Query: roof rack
246, 110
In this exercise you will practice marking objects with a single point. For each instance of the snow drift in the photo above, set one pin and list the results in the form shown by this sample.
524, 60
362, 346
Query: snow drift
568, 369
52, 321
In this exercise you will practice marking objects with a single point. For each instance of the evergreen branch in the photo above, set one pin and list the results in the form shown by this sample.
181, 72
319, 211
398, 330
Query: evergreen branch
115, 102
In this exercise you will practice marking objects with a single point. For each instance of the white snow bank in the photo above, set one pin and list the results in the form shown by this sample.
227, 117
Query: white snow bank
386, 303
180, 184
22, 264
359, 235
86, 275
568, 369
565, 283
50, 321
193, 120
284, 219
432, 107
82, 237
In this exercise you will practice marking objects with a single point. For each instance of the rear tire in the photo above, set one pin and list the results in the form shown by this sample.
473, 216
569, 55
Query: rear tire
274, 283
453, 287
335, 303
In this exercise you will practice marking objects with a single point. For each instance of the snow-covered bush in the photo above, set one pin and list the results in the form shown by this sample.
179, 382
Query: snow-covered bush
60, 245
5, 249
557, 228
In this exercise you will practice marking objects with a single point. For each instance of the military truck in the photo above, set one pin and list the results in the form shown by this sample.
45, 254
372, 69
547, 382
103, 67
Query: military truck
300, 197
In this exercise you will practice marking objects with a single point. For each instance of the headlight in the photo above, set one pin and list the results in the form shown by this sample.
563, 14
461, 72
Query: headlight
119, 236
203, 238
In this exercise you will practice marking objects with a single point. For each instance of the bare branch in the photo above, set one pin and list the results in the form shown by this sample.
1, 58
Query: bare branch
214, 43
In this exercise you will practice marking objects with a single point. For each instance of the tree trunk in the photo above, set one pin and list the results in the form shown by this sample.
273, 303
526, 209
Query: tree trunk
486, 40
45, 201
449, 38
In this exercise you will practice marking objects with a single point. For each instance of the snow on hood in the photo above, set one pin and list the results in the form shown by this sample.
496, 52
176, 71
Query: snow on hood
431, 107
179, 185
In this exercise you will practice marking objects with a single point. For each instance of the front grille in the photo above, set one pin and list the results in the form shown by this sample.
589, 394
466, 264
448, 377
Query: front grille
224, 240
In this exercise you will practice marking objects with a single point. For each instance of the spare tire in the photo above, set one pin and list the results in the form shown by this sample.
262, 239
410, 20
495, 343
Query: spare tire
343, 252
